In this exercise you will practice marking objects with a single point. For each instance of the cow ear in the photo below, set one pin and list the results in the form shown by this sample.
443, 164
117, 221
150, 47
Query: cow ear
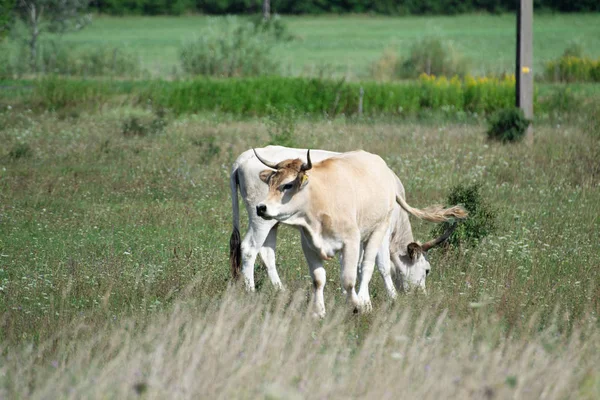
414, 250
303, 180
265, 175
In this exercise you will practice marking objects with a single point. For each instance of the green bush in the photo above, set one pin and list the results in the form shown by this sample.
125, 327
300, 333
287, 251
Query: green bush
480, 222
507, 125
432, 56
230, 47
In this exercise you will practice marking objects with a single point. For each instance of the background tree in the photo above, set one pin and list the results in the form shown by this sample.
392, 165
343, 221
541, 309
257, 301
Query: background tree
40, 16
6, 16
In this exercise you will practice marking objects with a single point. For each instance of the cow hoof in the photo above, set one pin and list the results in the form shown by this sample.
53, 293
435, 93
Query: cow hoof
318, 316
366, 307
364, 304
279, 287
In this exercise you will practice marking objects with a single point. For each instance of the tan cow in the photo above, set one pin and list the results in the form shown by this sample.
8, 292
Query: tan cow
343, 202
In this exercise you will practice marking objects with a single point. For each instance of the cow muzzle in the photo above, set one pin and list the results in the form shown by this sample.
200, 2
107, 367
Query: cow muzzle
261, 211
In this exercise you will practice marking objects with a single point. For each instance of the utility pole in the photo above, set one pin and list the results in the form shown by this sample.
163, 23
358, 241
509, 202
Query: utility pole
266, 10
524, 72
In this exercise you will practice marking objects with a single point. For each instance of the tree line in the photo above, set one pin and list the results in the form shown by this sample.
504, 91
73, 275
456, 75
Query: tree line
384, 7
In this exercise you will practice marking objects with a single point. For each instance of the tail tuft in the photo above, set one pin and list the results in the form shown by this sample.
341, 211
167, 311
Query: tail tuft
435, 213
457, 212
235, 254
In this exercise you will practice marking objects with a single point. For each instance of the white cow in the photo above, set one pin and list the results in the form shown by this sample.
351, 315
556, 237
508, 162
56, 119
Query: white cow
410, 264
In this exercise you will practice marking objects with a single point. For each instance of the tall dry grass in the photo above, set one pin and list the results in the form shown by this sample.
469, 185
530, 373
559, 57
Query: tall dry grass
259, 347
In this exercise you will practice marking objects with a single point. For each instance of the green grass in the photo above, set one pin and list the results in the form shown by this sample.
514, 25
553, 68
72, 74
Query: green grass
333, 45
88, 210
114, 264
425, 98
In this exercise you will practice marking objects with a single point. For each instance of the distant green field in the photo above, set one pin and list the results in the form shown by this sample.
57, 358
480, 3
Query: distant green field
348, 44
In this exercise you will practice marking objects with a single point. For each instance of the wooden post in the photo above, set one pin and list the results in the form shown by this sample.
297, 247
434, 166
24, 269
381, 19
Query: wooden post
524, 72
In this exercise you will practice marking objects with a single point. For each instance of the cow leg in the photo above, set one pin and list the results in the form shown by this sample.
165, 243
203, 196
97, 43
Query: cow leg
359, 270
317, 273
384, 266
349, 267
267, 253
251, 245
368, 263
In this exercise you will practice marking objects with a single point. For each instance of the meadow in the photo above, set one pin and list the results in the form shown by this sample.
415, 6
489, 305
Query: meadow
346, 46
115, 217
114, 275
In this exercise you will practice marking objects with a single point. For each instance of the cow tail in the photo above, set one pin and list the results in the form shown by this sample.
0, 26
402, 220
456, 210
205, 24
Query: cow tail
435, 213
235, 243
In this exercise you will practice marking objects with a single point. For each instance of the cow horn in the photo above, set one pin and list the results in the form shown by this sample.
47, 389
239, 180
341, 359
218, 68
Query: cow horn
262, 160
308, 165
434, 242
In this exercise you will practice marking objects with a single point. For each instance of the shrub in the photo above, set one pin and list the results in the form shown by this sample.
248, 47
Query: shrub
230, 47
507, 125
480, 222
432, 56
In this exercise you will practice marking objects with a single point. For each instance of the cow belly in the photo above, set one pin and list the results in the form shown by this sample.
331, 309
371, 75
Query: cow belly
329, 249
324, 246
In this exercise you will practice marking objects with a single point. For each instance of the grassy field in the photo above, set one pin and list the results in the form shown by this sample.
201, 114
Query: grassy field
114, 266
347, 45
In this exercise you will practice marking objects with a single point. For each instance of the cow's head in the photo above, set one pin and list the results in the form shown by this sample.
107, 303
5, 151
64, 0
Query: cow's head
286, 181
414, 266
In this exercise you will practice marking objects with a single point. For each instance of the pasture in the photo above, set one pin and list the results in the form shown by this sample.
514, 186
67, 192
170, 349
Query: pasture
114, 274
338, 46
